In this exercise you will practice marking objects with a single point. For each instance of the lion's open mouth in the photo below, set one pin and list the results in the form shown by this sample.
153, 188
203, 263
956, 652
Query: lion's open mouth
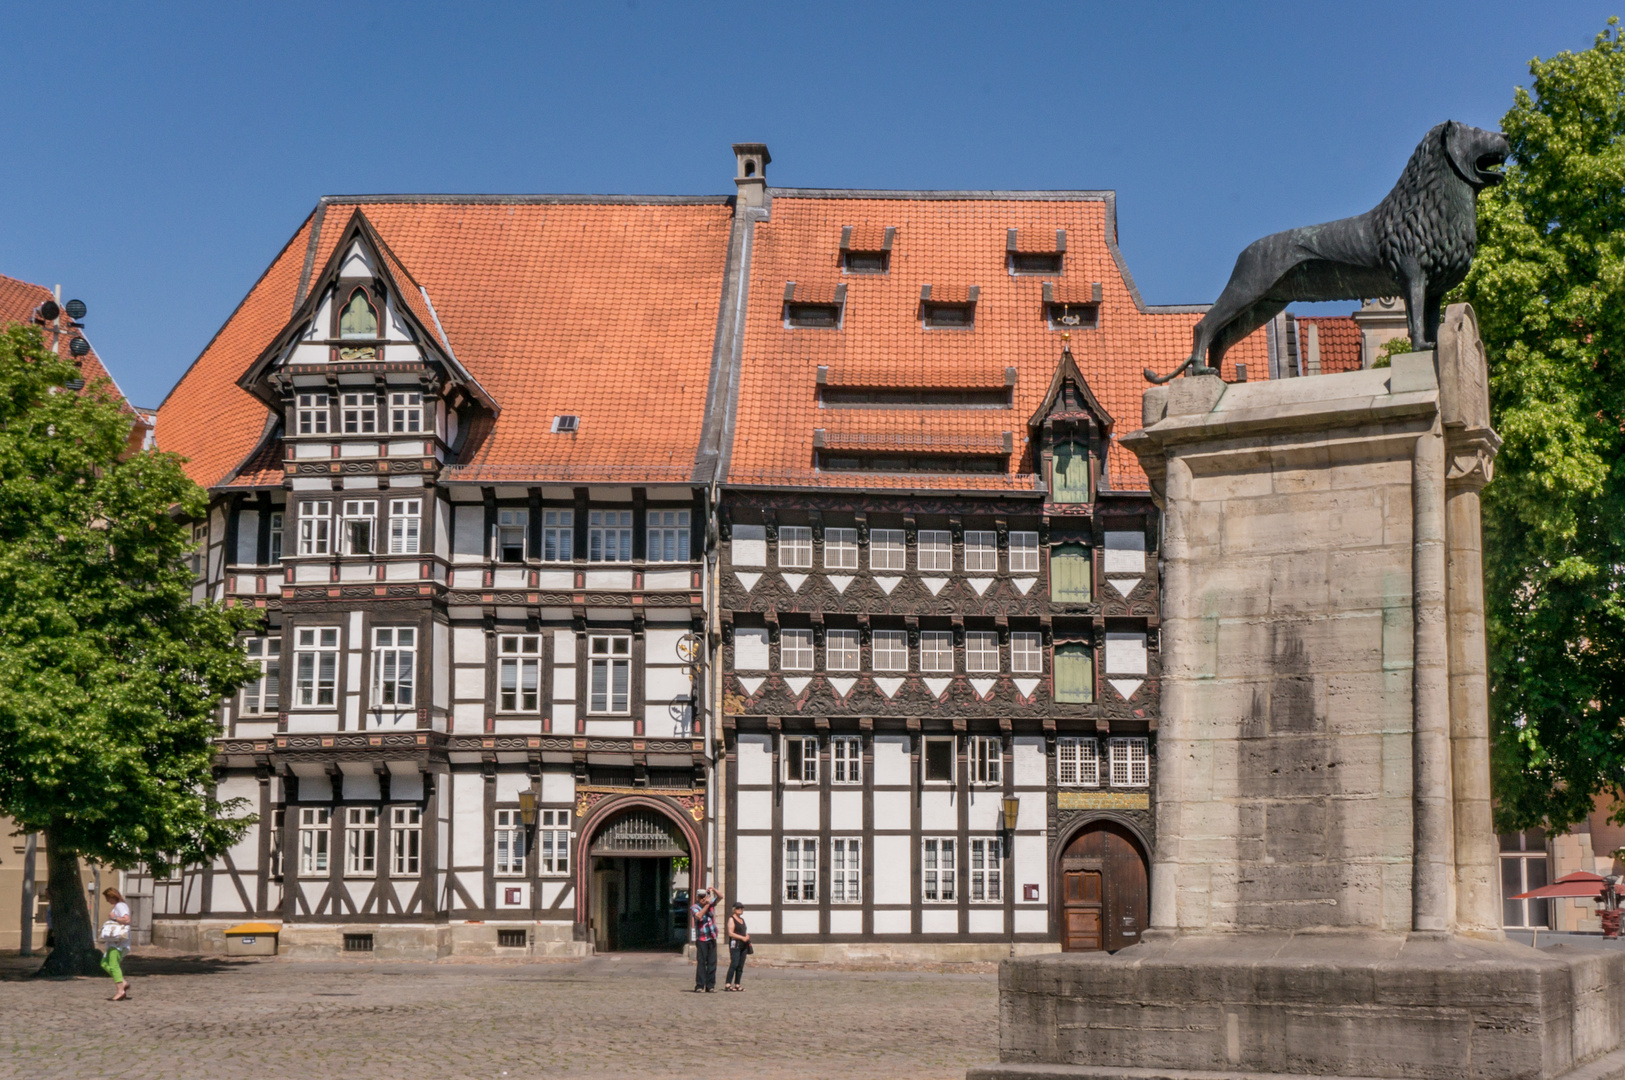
1488, 167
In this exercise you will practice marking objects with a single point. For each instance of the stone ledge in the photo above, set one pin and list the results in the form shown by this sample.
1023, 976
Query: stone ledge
1608, 1067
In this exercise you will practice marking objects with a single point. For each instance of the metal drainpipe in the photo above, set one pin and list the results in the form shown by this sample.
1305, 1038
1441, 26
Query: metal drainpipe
711, 771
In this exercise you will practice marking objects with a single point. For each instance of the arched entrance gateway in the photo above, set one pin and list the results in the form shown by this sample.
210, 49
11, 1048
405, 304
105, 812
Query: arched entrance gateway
634, 868
1102, 888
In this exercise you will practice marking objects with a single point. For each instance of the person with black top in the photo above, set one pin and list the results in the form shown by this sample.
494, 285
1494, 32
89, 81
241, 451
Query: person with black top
738, 948
705, 941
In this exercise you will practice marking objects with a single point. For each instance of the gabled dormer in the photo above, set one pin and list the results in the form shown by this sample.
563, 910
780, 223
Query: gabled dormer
364, 353
1071, 432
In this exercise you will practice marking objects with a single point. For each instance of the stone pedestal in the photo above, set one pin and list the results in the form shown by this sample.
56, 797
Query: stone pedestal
1323, 891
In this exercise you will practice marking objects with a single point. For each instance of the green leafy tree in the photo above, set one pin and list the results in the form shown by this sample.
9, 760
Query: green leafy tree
1391, 348
1548, 285
109, 673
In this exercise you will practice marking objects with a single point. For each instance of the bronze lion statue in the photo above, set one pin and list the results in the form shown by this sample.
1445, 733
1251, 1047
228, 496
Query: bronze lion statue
1417, 244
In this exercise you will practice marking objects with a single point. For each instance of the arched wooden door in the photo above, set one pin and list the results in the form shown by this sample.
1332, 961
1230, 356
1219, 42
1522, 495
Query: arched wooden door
1104, 893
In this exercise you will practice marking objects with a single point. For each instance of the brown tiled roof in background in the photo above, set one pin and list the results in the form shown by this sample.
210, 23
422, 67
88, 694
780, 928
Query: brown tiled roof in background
1339, 341
603, 310
951, 244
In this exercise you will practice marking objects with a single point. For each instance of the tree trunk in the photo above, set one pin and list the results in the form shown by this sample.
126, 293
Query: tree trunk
74, 949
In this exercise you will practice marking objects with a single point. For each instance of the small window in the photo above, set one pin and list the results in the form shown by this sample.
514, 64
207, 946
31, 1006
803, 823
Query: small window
276, 538
841, 650
812, 316
937, 651
1130, 763
1071, 578
361, 840
565, 425
1072, 316
986, 759
890, 648
886, 550
405, 521
796, 650
936, 550
1077, 763
937, 760
359, 319
1024, 553
519, 667
800, 870
800, 759
986, 870
846, 759
261, 696
406, 840
846, 870
948, 316
668, 536
510, 844
981, 553
840, 549
313, 414
1074, 674
1026, 654
316, 664
360, 524
315, 834
938, 872
866, 262
1071, 473
394, 663
795, 547
553, 842
610, 667
1035, 262
512, 525
981, 651
406, 412
358, 943
360, 413
558, 535
609, 536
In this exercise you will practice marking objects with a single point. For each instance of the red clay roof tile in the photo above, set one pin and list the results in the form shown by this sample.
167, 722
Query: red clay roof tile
1339, 341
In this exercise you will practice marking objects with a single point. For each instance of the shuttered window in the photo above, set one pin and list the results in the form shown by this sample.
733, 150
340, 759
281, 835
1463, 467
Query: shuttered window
1070, 576
1074, 674
1071, 473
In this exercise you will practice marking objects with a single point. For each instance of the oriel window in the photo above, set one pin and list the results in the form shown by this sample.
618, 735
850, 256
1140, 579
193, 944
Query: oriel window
360, 521
406, 412
312, 413
360, 413
394, 660
609, 536
668, 536
558, 535
316, 660
405, 519
510, 539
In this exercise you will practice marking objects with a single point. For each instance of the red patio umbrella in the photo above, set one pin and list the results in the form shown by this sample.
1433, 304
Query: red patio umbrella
1580, 884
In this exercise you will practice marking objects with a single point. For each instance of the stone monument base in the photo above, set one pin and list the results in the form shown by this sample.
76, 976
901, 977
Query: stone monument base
1333, 1004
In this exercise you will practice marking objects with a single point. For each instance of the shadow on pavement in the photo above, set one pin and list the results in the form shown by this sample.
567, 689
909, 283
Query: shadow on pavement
15, 968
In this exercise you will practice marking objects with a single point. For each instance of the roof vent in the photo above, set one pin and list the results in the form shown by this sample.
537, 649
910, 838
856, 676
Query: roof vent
565, 425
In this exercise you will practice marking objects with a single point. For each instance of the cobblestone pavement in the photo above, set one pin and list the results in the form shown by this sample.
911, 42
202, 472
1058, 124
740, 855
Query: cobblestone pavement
619, 1016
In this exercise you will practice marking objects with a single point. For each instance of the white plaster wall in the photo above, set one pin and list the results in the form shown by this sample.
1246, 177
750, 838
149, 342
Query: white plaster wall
468, 645
661, 684
801, 810
939, 919
798, 920
468, 541
892, 809
846, 920
611, 729
750, 649
987, 920
894, 922
939, 811
1125, 653
406, 787
755, 870
846, 811
755, 810
749, 545
984, 810
1032, 921
1028, 761
755, 759
1028, 866
1125, 552
891, 760
468, 717
510, 784
558, 785
248, 537
361, 787
893, 868
467, 820
439, 665
470, 683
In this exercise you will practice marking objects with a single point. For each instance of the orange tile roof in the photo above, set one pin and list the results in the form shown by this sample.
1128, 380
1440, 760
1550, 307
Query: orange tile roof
1339, 341
18, 299
951, 243
603, 309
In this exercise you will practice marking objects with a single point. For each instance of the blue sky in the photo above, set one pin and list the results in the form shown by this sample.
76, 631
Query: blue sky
159, 155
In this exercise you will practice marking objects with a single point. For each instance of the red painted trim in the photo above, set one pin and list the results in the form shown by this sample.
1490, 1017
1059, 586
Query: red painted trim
614, 805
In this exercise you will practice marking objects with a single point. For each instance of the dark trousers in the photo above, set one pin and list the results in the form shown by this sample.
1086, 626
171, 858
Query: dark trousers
736, 963
705, 971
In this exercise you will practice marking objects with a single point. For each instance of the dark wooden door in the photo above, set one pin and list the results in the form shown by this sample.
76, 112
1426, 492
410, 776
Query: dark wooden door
1120, 885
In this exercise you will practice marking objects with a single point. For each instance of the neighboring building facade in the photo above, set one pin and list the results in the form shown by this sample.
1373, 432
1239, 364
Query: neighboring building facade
612, 547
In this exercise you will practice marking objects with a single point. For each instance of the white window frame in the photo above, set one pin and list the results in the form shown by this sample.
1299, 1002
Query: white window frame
359, 512
986, 764
845, 759
315, 841
843, 650
795, 650
939, 870
953, 759
1130, 762
275, 865
405, 841
937, 651
314, 412
1026, 652
405, 526
846, 870
512, 522
795, 547
394, 666
558, 535
519, 673
262, 696
935, 550
316, 527
609, 536
276, 538
890, 646
1023, 553
981, 552
553, 843
986, 868
888, 549
359, 413
840, 549
609, 653
406, 412
316, 667
1077, 762
667, 533
360, 841
800, 754
982, 652
508, 844
800, 869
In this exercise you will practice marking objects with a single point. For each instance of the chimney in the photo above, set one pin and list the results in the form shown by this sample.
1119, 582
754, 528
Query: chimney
752, 175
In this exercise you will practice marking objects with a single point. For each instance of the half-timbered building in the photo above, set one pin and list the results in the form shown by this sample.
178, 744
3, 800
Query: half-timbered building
612, 547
